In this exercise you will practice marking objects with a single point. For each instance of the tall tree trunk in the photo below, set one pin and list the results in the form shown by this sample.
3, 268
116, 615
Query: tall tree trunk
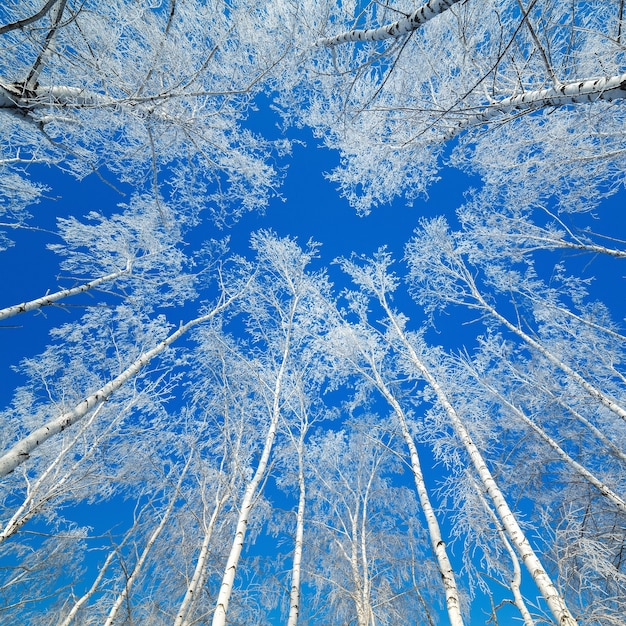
21, 451
219, 617
294, 594
579, 469
453, 603
199, 573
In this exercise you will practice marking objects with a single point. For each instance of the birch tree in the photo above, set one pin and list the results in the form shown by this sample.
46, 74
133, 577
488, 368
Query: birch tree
360, 524
283, 311
366, 354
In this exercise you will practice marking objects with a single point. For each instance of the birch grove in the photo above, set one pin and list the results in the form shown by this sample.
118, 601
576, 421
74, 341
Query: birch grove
378, 407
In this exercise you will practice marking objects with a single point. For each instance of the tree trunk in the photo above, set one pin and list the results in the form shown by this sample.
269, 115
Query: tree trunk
587, 90
51, 298
420, 16
20, 452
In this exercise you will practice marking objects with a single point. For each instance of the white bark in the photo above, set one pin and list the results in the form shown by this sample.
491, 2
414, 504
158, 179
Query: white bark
294, 594
533, 564
28, 508
587, 90
406, 25
453, 604
197, 580
51, 298
21, 451
221, 608
595, 393
582, 471
69, 618
516, 580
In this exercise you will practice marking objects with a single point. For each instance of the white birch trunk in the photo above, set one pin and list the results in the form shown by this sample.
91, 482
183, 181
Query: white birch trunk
21, 451
69, 618
121, 598
197, 579
595, 393
614, 450
587, 90
51, 298
516, 581
294, 594
533, 564
406, 25
221, 608
579, 469
27, 509
453, 603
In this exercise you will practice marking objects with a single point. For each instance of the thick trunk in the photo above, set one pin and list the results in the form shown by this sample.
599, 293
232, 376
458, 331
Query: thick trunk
21, 451
420, 16
587, 90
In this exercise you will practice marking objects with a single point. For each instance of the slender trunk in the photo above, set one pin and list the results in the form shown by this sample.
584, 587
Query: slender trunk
583, 472
354, 565
123, 596
481, 303
516, 580
406, 25
21, 451
614, 450
69, 618
51, 298
581, 91
367, 582
219, 617
552, 243
555, 307
453, 603
555, 602
595, 393
197, 579
294, 595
